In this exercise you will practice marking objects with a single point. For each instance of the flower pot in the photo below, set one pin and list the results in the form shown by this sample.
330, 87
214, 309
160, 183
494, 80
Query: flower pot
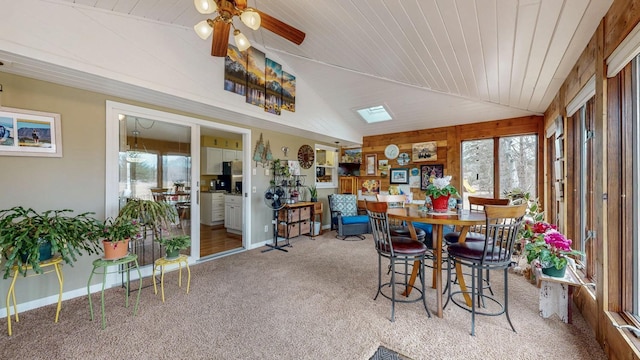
44, 250
552, 271
440, 204
172, 254
114, 250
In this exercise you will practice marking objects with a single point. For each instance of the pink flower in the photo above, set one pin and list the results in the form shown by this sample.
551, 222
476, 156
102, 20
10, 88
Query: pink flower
557, 241
542, 227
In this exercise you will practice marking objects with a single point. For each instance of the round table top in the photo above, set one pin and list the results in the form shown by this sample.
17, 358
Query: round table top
413, 213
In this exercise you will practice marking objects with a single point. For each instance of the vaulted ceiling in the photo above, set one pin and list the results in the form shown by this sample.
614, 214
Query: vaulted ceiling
432, 63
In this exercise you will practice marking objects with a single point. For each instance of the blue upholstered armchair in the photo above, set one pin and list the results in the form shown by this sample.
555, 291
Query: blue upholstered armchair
345, 218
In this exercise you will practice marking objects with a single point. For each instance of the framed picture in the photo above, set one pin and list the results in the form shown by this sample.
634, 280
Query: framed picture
371, 164
426, 171
399, 176
426, 151
29, 133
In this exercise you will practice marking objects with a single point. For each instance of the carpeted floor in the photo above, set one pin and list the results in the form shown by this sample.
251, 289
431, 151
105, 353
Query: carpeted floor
314, 302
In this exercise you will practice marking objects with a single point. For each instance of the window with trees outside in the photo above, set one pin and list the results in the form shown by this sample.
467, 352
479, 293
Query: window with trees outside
516, 166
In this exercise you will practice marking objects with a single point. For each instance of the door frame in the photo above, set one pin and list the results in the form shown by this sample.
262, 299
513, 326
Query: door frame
113, 109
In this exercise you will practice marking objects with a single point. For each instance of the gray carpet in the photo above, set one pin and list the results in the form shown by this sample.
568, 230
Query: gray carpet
314, 302
385, 354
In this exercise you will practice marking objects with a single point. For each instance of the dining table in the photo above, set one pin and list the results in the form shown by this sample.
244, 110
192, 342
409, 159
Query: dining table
461, 220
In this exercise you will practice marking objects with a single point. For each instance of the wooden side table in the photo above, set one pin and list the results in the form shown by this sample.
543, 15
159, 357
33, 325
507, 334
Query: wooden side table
161, 263
556, 294
56, 262
101, 266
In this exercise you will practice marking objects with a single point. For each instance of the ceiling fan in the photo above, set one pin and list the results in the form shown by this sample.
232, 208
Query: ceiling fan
222, 23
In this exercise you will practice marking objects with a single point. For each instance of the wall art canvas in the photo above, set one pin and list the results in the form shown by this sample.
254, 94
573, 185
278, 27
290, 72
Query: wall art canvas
29, 133
255, 77
370, 187
352, 156
427, 171
273, 87
235, 71
288, 92
426, 151
399, 176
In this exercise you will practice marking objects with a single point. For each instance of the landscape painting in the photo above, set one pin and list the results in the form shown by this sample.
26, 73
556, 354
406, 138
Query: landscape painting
29, 133
255, 77
288, 92
235, 71
426, 151
273, 96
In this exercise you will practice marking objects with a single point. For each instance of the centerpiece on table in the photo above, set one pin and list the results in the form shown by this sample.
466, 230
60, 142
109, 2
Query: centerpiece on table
549, 247
439, 191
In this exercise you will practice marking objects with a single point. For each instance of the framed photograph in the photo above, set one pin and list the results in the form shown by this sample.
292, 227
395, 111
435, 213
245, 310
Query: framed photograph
399, 176
426, 151
426, 171
29, 133
371, 164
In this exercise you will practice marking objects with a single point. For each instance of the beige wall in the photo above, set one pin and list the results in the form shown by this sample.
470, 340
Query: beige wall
77, 180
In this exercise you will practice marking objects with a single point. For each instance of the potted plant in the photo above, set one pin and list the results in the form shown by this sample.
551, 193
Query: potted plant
173, 245
26, 233
439, 190
313, 193
116, 235
154, 214
550, 248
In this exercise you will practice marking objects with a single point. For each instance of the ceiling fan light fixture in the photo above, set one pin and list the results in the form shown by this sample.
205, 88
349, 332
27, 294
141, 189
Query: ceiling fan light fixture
203, 29
251, 18
205, 6
241, 41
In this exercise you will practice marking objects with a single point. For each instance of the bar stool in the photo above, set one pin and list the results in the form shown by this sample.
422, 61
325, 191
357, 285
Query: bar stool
162, 263
101, 266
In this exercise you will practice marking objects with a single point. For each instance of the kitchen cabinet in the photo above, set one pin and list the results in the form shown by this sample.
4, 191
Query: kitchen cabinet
212, 208
211, 161
231, 155
233, 213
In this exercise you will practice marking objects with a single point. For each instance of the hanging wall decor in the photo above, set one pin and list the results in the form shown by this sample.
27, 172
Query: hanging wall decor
235, 71
29, 133
255, 77
288, 92
426, 151
273, 87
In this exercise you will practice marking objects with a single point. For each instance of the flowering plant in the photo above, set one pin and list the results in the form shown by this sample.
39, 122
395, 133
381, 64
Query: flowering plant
440, 187
548, 245
120, 229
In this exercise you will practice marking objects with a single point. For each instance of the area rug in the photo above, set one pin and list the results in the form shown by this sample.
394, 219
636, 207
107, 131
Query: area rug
386, 354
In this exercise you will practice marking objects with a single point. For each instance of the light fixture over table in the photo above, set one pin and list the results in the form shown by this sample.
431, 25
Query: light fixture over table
222, 23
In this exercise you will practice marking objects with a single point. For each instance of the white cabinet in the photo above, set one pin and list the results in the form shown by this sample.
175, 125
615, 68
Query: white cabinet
211, 161
233, 213
212, 208
231, 155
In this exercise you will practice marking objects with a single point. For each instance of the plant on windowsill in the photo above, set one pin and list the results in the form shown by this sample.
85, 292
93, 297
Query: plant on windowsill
28, 237
439, 190
173, 245
549, 248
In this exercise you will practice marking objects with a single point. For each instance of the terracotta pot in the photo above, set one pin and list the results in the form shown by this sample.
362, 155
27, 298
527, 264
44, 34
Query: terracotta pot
440, 204
114, 250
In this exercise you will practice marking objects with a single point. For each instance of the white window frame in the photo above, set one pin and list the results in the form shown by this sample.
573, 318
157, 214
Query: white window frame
334, 168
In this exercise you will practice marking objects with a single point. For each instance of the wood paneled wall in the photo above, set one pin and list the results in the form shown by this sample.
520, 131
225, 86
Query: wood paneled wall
449, 141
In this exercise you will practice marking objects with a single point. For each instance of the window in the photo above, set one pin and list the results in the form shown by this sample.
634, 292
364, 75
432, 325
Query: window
326, 166
635, 238
175, 169
516, 167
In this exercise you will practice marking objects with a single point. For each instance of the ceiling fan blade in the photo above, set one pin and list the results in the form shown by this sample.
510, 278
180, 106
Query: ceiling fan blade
241, 4
220, 38
279, 28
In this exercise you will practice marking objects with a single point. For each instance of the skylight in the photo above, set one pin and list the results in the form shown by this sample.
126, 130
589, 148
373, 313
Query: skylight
374, 114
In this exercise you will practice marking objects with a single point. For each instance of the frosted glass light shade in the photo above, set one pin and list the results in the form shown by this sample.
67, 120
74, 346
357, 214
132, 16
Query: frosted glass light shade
203, 29
241, 41
250, 18
205, 6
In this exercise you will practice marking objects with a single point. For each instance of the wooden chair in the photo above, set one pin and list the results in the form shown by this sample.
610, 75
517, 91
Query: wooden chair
494, 253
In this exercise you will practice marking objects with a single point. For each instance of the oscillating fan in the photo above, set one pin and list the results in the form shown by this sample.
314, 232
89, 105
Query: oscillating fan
275, 198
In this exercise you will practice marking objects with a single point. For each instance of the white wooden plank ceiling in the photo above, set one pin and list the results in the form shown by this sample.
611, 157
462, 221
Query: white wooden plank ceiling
431, 62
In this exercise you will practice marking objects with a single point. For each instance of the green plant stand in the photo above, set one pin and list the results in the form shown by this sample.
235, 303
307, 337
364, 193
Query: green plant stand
101, 266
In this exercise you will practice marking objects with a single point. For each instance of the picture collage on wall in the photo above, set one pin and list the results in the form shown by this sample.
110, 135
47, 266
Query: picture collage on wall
260, 79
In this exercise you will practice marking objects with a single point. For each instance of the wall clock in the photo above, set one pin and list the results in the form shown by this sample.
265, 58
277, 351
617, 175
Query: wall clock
306, 155
403, 159
391, 151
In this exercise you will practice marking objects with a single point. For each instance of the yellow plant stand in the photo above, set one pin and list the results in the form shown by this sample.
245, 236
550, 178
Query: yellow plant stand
101, 266
56, 262
162, 263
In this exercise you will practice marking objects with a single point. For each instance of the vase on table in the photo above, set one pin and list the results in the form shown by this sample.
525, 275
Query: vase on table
440, 204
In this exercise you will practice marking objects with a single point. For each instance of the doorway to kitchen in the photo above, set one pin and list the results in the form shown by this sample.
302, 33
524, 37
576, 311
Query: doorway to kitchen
159, 156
